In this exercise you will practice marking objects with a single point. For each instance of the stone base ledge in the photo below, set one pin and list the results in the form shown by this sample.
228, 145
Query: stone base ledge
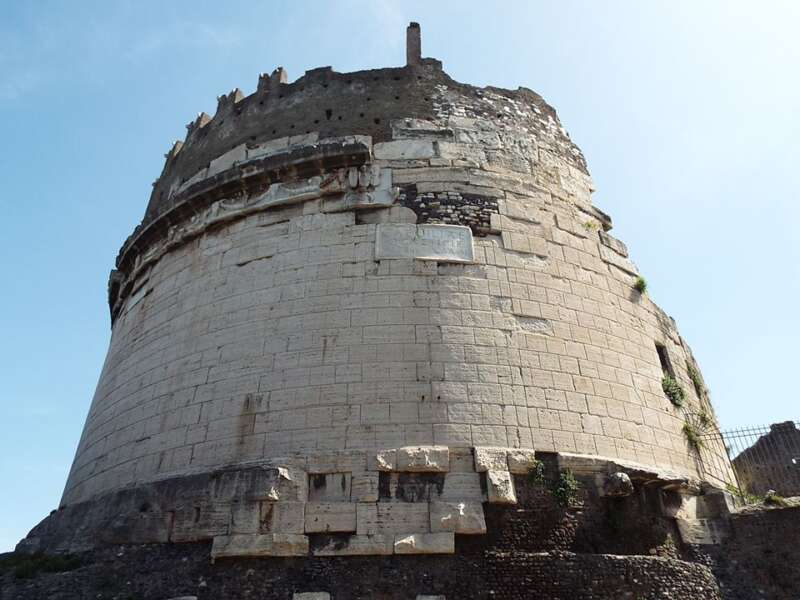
406, 500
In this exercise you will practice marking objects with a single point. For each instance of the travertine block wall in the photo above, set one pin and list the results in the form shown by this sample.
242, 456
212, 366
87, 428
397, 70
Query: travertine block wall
256, 314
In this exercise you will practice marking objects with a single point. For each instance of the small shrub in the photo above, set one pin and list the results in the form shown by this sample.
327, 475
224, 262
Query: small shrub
694, 375
590, 225
565, 489
640, 285
536, 472
673, 390
692, 436
773, 499
704, 420
743, 495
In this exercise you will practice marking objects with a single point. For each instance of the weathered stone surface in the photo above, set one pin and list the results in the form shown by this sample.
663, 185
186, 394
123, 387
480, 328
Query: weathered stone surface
384, 460
356, 545
329, 487
270, 544
444, 243
521, 461
423, 458
458, 517
424, 543
283, 517
311, 596
462, 486
491, 459
500, 487
618, 484
322, 517
404, 149
393, 517
365, 487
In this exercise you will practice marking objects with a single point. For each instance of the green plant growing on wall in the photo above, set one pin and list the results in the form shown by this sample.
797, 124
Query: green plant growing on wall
590, 225
773, 499
693, 436
694, 375
536, 472
673, 390
743, 495
640, 285
565, 489
704, 420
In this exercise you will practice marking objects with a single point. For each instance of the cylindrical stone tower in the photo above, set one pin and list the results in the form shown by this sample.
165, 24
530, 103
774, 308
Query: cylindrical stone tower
358, 300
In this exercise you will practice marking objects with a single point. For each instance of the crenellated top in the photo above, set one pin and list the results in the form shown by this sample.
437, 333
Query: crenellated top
359, 103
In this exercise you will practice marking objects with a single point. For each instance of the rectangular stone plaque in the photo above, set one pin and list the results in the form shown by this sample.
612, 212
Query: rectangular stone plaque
444, 243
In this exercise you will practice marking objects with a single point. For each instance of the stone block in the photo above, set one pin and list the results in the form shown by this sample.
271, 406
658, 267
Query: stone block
324, 517
355, 545
352, 461
462, 486
442, 243
424, 543
457, 517
500, 487
270, 544
283, 517
403, 149
311, 596
521, 460
383, 460
491, 459
617, 484
423, 458
329, 487
393, 517
365, 487
429, 597
462, 460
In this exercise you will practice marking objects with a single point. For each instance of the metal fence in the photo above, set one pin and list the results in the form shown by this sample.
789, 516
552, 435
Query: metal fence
764, 458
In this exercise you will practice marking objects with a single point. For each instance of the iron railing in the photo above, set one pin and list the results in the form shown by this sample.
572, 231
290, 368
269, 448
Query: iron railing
764, 458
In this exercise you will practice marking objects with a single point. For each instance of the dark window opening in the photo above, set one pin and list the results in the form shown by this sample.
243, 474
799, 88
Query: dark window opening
328, 113
663, 358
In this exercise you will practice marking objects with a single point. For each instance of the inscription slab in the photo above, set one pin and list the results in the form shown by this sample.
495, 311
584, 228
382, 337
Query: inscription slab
445, 243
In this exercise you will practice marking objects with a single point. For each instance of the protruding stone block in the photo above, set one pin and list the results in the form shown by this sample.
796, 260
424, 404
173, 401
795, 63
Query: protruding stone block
270, 544
617, 484
330, 516
521, 460
423, 458
424, 543
500, 487
457, 517
384, 460
491, 459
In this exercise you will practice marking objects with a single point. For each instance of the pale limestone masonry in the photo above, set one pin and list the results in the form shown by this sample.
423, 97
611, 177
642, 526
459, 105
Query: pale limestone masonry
421, 291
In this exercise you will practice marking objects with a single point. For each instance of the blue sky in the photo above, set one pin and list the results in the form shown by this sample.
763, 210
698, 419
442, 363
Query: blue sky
687, 111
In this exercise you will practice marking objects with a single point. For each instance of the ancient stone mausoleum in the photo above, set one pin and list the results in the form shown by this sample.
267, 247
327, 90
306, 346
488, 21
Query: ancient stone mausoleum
375, 314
